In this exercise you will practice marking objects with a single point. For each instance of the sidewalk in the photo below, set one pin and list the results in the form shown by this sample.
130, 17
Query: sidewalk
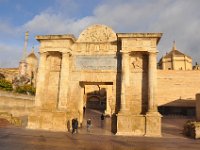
13, 138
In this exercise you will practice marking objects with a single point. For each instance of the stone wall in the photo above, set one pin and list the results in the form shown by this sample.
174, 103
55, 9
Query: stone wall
9, 73
177, 87
16, 104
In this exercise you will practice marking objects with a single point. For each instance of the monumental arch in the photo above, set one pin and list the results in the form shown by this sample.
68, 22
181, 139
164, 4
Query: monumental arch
123, 64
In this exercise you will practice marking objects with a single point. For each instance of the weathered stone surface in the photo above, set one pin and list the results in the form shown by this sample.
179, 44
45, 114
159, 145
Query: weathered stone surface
97, 33
153, 124
9, 117
98, 58
130, 125
9, 73
16, 104
121, 64
48, 120
185, 83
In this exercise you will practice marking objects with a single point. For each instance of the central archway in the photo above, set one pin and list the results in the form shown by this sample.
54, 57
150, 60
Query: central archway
96, 103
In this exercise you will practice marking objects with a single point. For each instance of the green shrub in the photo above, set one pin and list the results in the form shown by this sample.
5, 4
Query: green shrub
5, 85
26, 89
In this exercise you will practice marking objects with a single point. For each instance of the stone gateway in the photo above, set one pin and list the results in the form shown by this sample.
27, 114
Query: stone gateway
122, 65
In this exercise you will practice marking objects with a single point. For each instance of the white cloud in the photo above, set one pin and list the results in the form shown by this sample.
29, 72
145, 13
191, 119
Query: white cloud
178, 19
56, 24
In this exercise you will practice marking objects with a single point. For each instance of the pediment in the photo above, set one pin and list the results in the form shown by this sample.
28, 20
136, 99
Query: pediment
97, 33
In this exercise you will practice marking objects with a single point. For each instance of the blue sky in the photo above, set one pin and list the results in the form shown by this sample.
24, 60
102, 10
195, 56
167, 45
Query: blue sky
178, 19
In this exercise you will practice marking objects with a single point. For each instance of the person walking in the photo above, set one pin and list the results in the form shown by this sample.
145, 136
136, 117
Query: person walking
73, 126
76, 125
89, 123
102, 120
102, 116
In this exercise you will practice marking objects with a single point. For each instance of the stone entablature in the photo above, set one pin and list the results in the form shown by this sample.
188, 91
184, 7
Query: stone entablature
123, 64
61, 43
139, 41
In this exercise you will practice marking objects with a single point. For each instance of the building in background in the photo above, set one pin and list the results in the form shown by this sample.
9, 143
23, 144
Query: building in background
27, 70
31, 66
175, 60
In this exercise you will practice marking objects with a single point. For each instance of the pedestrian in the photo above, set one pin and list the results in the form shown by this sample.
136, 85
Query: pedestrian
102, 120
73, 126
102, 116
76, 125
89, 123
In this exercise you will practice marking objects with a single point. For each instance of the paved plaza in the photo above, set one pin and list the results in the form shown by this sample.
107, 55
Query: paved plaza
99, 138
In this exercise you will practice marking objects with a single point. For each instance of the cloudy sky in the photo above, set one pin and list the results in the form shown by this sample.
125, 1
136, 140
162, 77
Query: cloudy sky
179, 20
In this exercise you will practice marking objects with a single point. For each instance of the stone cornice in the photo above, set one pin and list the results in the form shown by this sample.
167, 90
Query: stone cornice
55, 37
140, 35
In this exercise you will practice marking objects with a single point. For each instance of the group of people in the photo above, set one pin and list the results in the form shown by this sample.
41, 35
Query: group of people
89, 124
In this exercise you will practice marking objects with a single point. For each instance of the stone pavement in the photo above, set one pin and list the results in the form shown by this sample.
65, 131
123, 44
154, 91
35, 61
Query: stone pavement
13, 138
21, 139
98, 126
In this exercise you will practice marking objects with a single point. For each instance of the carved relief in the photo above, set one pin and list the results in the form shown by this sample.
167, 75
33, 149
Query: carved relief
97, 33
138, 63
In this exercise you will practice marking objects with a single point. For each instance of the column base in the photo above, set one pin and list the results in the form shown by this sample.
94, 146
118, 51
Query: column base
153, 124
130, 125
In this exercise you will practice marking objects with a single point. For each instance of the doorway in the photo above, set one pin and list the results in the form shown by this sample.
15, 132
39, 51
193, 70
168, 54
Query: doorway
96, 104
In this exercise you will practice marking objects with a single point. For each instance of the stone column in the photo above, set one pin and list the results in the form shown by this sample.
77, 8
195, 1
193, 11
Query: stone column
124, 79
81, 104
64, 81
152, 78
40, 86
153, 118
109, 100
